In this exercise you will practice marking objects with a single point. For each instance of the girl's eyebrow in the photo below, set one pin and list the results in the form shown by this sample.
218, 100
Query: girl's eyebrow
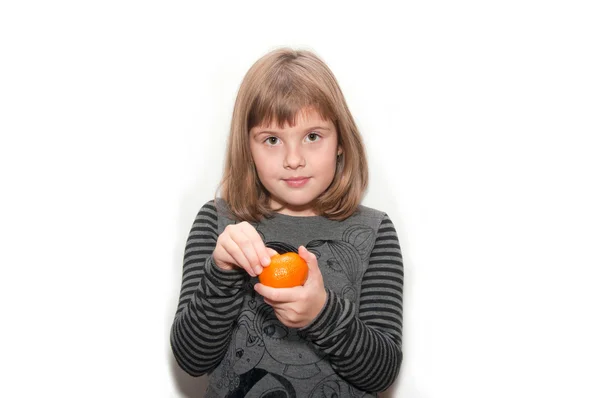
306, 130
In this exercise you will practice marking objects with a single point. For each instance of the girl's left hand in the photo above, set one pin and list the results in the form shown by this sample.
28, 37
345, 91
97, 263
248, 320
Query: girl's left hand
297, 306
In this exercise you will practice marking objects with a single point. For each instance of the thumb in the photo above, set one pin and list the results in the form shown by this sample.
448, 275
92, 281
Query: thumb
311, 261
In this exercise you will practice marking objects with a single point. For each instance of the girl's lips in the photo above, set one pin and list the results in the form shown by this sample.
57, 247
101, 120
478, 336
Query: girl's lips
296, 182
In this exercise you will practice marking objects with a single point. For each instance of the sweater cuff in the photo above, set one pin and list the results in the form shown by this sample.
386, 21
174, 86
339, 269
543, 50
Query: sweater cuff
226, 281
330, 321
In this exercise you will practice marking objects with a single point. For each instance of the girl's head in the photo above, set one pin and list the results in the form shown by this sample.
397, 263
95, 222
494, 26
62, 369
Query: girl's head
293, 145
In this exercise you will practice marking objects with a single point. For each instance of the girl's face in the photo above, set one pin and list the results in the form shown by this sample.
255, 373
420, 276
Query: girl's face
296, 164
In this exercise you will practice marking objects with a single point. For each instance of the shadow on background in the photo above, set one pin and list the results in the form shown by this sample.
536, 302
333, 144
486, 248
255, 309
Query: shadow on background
391, 392
187, 386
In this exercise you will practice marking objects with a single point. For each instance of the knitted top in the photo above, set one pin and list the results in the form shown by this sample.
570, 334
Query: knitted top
353, 348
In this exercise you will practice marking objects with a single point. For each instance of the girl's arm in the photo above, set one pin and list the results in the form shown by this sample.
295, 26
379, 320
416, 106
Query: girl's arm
364, 344
209, 302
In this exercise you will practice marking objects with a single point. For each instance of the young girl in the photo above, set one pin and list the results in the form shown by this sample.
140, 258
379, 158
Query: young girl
294, 177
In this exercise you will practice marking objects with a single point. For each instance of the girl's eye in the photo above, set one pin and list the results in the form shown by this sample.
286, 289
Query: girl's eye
312, 137
272, 141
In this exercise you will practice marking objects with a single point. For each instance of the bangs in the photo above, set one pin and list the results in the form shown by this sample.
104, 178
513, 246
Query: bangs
283, 94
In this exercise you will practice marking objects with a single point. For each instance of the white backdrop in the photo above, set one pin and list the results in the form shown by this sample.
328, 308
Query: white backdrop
481, 121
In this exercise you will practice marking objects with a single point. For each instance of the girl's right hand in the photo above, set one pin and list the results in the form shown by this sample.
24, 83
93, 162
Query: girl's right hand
241, 246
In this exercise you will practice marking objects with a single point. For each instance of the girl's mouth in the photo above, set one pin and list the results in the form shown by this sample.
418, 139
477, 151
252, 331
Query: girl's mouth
296, 182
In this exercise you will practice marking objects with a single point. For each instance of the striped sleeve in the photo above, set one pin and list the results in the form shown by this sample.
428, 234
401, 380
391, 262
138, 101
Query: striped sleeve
364, 344
209, 301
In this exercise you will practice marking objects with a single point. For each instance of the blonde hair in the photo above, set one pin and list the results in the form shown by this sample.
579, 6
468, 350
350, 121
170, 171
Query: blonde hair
276, 88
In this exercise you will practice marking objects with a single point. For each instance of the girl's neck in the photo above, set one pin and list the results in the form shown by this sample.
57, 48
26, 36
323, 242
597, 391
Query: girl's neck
293, 211
305, 213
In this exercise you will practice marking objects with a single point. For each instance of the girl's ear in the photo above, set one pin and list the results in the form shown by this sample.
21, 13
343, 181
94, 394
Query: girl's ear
339, 151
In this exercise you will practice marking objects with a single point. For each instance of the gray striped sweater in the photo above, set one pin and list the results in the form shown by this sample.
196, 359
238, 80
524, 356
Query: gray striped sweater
353, 348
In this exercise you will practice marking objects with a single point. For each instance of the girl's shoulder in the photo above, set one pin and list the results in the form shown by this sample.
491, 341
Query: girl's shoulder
217, 206
369, 217
221, 205
217, 212
365, 212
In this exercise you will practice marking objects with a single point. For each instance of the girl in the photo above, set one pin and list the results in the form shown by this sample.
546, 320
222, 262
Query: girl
295, 173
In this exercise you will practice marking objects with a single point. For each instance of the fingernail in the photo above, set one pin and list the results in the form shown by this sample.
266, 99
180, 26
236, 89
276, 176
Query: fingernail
258, 269
266, 261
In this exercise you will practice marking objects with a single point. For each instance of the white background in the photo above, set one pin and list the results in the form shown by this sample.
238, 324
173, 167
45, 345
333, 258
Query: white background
481, 121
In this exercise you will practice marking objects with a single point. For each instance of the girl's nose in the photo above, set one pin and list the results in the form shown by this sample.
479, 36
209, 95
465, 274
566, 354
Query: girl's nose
294, 158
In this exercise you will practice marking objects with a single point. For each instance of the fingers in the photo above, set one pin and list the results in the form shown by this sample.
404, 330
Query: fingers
222, 259
280, 295
271, 253
242, 244
246, 249
295, 306
260, 251
234, 251
271, 303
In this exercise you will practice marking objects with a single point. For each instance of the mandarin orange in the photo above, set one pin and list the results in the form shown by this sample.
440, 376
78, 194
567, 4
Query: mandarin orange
285, 270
